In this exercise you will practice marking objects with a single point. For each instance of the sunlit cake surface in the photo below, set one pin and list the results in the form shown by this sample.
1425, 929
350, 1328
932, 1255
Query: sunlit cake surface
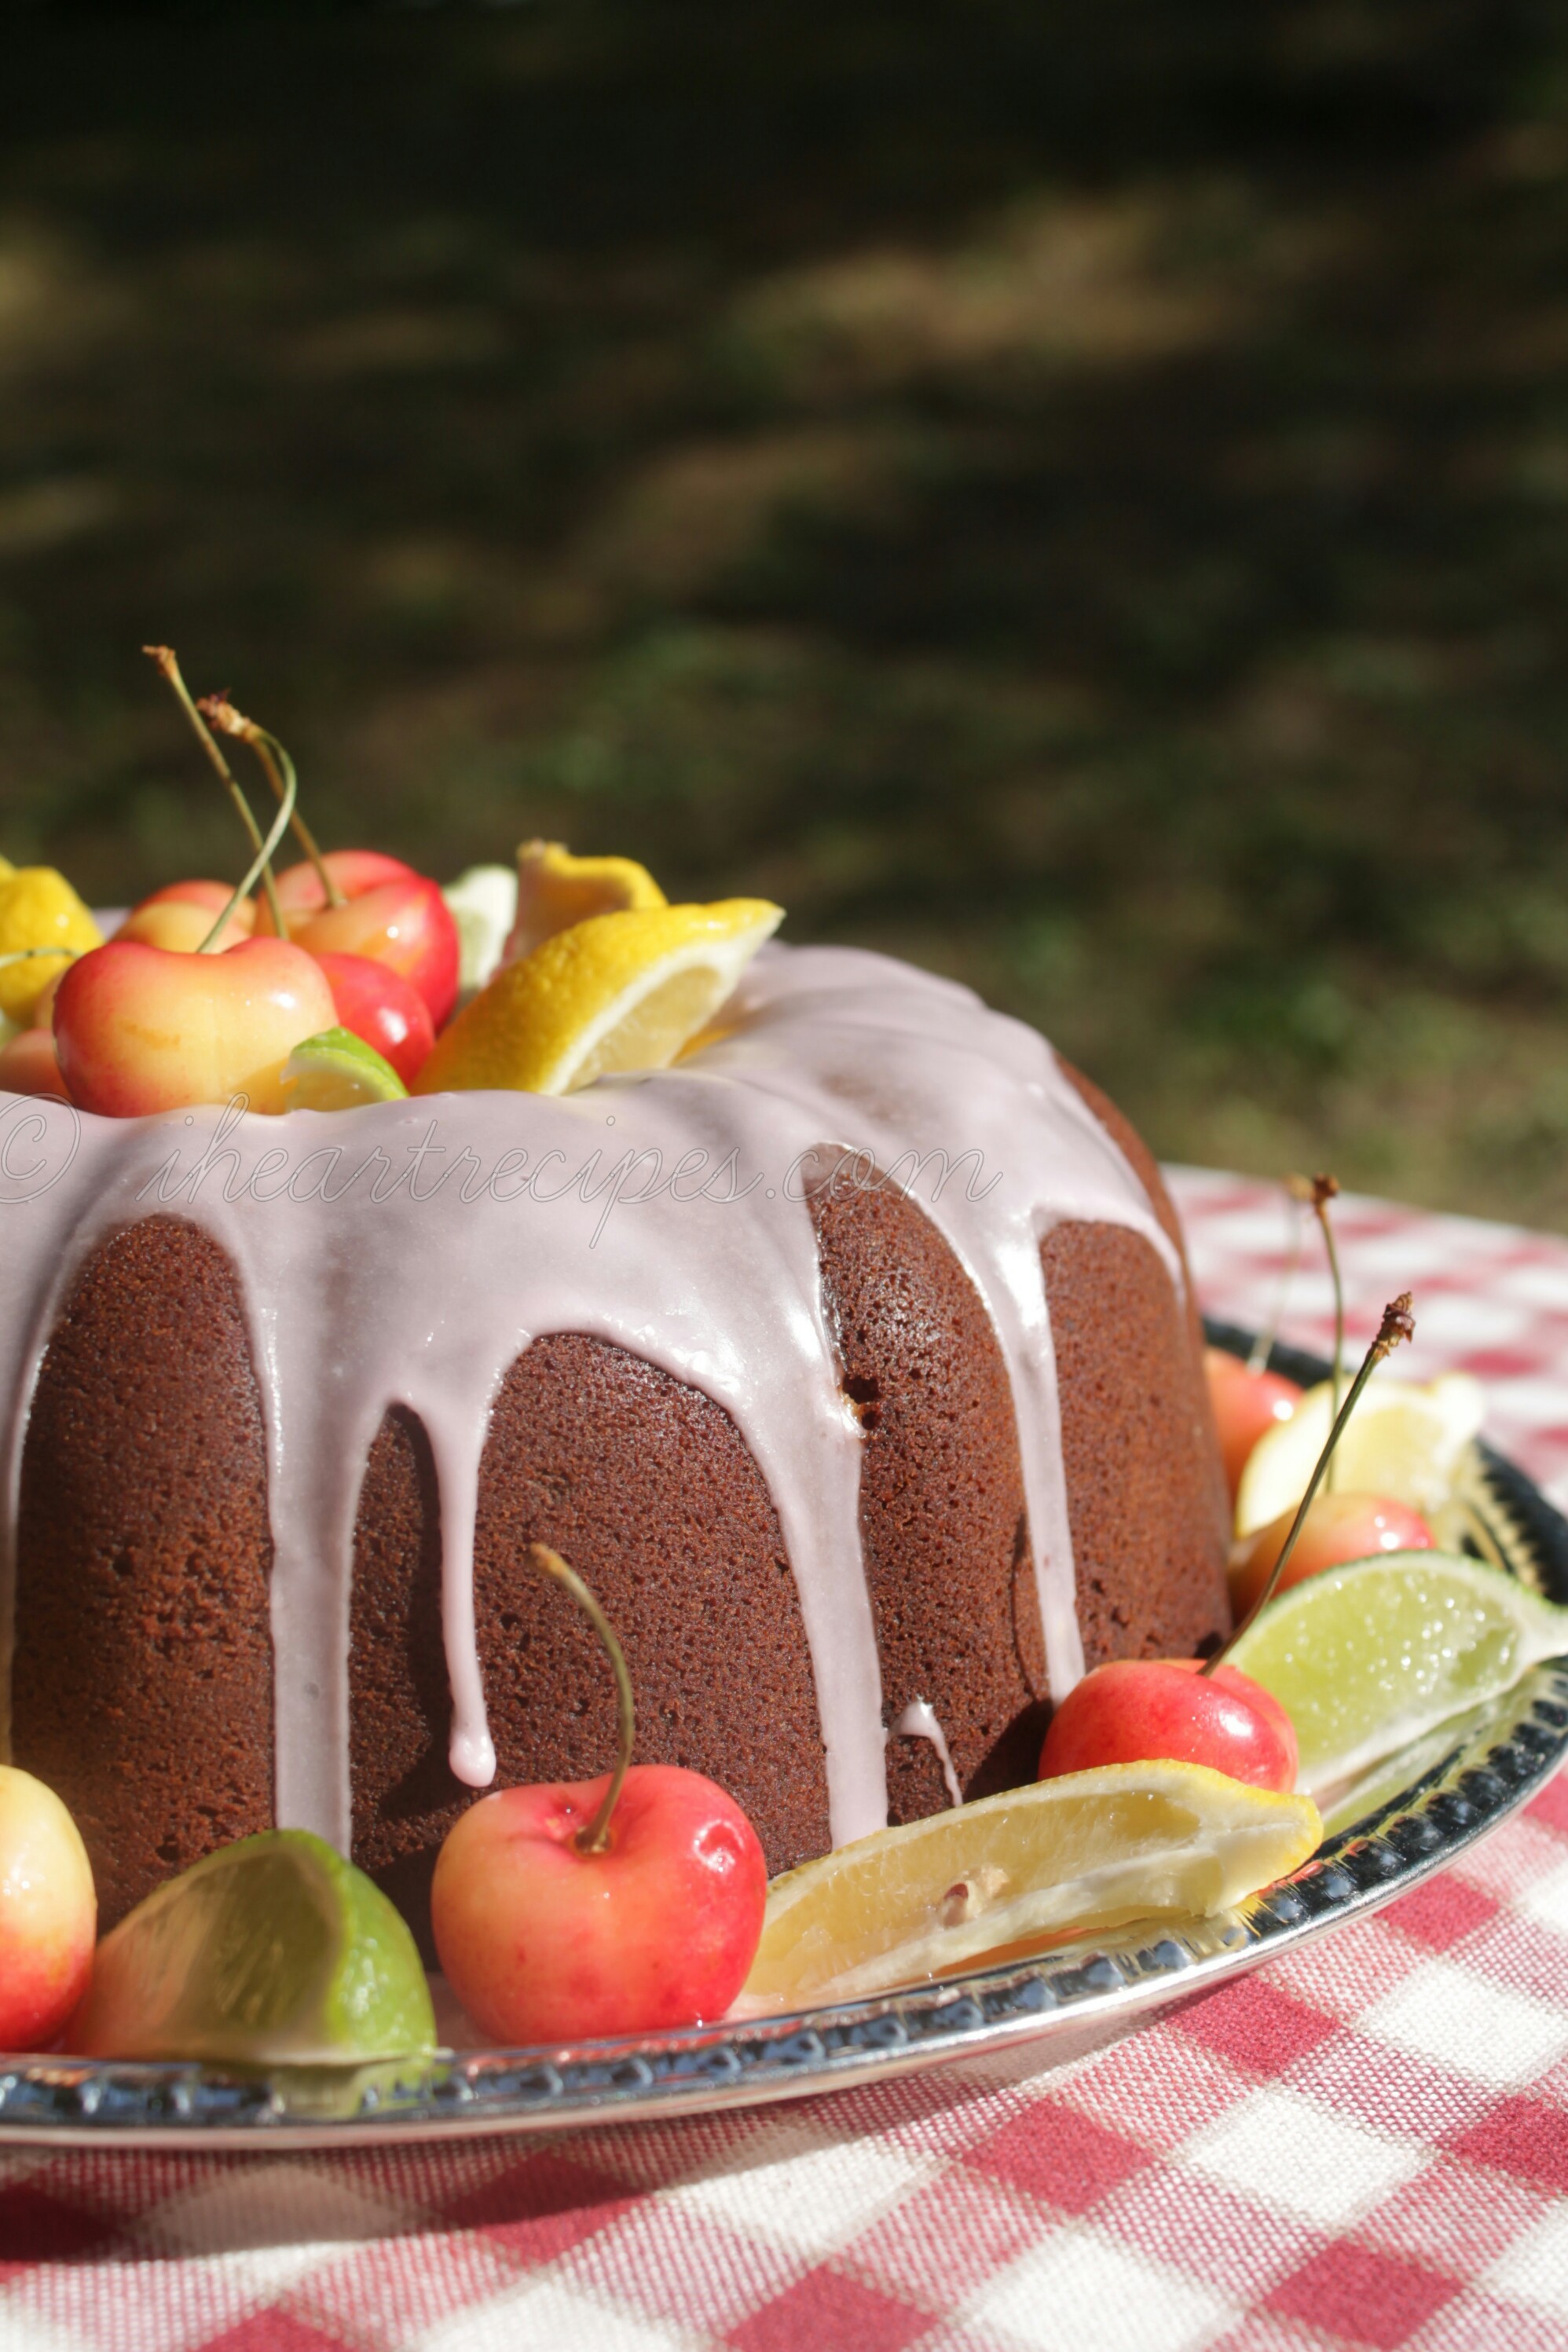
868, 1396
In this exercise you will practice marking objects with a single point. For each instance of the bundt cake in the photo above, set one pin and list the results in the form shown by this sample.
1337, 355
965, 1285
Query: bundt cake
852, 1360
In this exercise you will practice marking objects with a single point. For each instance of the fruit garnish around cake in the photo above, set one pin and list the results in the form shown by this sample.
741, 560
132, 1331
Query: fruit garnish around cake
618, 992
338, 1071
482, 902
1137, 1708
141, 1029
555, 890
48, 1913
43, 924
1369, 1657
1408, 1442
1246, 1402
271, 1951
1075, 1856
625, 1904
1337, 1528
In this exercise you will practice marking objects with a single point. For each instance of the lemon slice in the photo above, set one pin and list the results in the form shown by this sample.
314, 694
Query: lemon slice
271, 1951
1404, 1440
38, 909
1367, 1658
555, 890
483, 904
1070, 1856
335, 1070
615, 992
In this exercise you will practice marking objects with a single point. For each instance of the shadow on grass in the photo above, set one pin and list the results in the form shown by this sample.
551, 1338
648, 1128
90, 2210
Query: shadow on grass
1073, 496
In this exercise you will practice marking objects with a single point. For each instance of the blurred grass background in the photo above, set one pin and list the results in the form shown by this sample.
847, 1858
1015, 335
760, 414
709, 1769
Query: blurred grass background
1073, 496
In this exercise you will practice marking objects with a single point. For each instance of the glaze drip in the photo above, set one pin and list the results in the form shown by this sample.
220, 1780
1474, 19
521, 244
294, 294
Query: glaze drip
405, 1254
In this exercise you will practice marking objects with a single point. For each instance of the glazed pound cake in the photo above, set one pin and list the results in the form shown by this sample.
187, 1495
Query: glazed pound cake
852, 1360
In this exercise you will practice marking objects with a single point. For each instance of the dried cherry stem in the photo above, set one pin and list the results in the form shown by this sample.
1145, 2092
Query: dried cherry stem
1397, 1324
1315, 1193
1263, 1346
164, 658
261, 864
595, 1836
278, 770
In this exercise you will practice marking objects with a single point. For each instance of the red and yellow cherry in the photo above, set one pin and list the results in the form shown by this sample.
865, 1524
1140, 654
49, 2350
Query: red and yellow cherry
396, 916
185, 925
214, 896
1139, 1710
542, 1941
351, 873
141, 1029
28, 1064
627, 1905
379, 1005
1337, 1527
1245, 1404
48, 1913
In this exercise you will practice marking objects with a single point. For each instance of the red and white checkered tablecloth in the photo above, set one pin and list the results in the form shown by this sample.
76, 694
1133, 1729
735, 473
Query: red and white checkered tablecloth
1365, 2146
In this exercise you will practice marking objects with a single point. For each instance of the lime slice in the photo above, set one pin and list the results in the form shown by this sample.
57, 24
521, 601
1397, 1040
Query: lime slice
1404, 1439
482, 902
1070, 1856
1369, 1657
335, 1070
272, 1951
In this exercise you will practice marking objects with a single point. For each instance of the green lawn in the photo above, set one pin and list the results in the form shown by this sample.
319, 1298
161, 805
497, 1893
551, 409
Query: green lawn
1076, 496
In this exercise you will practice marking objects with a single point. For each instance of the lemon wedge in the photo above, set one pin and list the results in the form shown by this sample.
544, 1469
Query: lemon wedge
1404, 1440
555, 890
38, 909
621, 992
1065, 1857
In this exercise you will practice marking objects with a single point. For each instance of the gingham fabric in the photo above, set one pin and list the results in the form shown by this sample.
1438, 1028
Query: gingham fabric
1366, 2145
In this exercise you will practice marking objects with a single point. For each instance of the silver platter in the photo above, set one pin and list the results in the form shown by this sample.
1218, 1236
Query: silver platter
1415, 1819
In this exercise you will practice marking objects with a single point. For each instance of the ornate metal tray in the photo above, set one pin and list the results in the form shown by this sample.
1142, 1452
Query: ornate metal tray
1415, 1817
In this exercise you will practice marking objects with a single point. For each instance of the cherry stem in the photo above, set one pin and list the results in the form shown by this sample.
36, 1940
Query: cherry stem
260, 865
278, 770
595, 1837
167, 662
1317, 1192
1263, 1346
1397, 1324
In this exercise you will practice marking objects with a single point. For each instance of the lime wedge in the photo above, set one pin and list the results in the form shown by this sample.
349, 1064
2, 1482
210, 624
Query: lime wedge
1088, 1850
271, 1951
335, 1070
1369, 1657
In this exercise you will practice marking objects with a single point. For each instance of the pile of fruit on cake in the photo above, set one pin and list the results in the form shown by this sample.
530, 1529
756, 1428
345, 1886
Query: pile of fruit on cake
539, 1414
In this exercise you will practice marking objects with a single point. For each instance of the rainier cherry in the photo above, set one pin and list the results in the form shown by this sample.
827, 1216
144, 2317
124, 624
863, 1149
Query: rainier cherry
379, 1005
1338, 1527
28, 1064
1141, 1709
625, 1904
1138, 1709
386, 912
1245, 1404
48, 1913
141, 1029
181, 916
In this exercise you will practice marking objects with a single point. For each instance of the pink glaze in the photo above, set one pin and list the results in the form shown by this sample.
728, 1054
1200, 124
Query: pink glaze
424, 1298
